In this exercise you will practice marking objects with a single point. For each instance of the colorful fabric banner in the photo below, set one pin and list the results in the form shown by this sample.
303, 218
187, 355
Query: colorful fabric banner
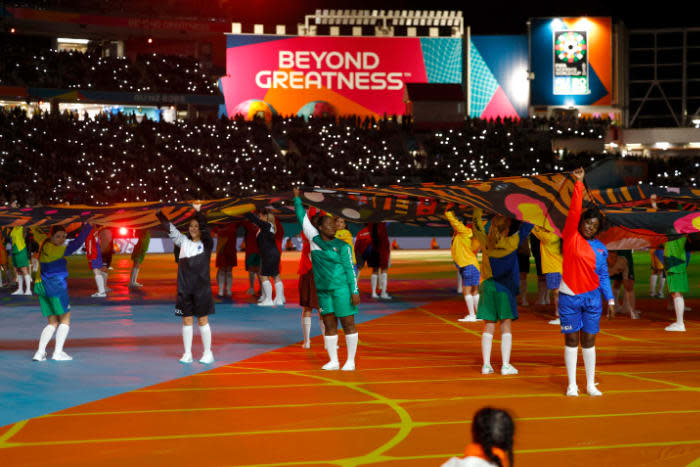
541, 200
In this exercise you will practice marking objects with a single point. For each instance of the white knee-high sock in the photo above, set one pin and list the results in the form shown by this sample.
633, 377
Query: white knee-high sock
351, 342
570, 357
28, 283
384, 281
99, 280
662, 284
373, 282
229, 283
470, 303
267, 290
306, 327
506, 346
332, 347
486, 342
679, 307
20, 282
279, 291
205, 332
475, 297
220, 282
134, 275
187, 332
459, 282
46, 335
61, 334
652, 284
589, 362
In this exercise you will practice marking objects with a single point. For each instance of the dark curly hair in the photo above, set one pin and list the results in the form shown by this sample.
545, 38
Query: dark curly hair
592, 213
494, 428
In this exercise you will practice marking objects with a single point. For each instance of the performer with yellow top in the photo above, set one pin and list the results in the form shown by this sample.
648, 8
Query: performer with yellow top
20, 260
52, 288
342, 233
550, 252
501, 284
468, 266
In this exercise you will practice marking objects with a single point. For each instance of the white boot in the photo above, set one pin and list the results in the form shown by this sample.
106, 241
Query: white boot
267, 293
332, 349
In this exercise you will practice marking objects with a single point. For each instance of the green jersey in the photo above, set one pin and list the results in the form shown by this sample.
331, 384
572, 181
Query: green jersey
674, 255
331, 259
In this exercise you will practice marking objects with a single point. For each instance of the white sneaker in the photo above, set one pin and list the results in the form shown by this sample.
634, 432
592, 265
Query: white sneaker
678, 327
653, 295
28, 292
267, 302
261, 299
39, 356
385, 296
593, 391
64, 357
486, 370
99, 295
509, 369
18, 292
220, 294
572, 391
374, 295
331, 366
186, 358
349, 366
279, 302
634, 314
306, 345
468, 319
459, 290
207, 358
555, 321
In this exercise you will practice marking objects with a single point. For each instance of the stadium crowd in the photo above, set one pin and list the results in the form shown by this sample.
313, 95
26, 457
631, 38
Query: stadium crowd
54, 158
29, 66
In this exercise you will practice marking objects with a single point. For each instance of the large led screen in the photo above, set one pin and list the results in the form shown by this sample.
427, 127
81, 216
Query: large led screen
291, 75
571, 59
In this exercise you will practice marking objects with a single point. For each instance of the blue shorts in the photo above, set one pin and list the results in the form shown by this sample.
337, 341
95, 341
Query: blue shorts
553, 280
470, 276
580, 312
96, 263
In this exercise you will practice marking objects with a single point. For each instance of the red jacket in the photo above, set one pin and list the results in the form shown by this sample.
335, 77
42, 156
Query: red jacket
92, 246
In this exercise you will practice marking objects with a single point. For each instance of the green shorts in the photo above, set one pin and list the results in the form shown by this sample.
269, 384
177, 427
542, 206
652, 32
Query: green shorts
50, 306
337, 302
252, 260
677, 282
496, 302
20, 259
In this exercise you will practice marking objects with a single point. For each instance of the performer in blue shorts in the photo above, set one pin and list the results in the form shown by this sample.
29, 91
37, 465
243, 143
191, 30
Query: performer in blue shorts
584, 277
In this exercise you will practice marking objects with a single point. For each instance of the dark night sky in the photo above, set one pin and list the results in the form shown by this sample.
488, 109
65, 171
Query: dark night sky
484, 17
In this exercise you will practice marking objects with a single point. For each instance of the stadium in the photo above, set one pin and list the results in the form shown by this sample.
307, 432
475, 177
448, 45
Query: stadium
397, 229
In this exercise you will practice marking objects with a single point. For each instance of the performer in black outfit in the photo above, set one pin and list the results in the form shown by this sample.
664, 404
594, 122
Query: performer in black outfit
270, 255
194, 295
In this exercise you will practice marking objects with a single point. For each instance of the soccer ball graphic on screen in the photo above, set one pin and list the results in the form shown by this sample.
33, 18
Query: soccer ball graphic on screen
570, 47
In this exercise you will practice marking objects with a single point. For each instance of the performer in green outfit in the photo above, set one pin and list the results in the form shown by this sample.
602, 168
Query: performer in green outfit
143, 237
336, 284
676, 279
20, 260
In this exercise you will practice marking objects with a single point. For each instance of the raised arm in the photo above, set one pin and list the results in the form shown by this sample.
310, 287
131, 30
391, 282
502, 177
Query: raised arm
576, 206
479, 229
205, 233
524, 231
78, 241
310, 232
262, 225
173, 233
457, 226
